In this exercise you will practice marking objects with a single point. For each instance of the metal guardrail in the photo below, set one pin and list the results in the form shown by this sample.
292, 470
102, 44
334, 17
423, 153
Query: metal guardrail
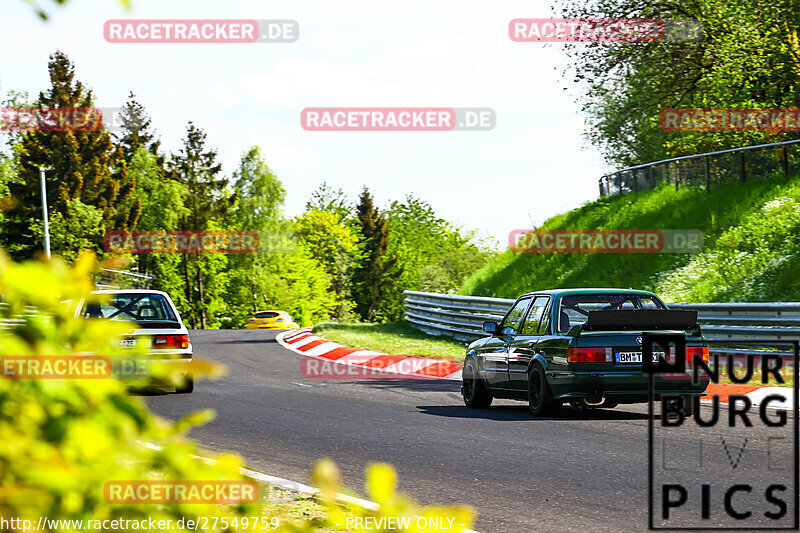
455, 316
705, 170
462, 317
114, 279
14, 320
121, 279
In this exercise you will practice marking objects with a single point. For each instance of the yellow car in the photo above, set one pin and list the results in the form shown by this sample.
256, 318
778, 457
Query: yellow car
271, 320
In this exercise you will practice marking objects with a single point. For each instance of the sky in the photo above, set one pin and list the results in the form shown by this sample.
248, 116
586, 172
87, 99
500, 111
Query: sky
535, 163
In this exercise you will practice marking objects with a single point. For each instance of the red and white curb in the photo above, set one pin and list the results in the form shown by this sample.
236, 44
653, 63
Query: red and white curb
756, 394
307, 344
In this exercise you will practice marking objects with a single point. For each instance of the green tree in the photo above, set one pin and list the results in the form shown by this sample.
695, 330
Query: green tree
433, 253
198, 170
77, 230
137, 131
330, 200
335, 245
6, 173
259, 192
259, 199
16, 100
283, 275
7, 167
208, 203
296, 283
84, 165
376, 267
162, 201
748, 58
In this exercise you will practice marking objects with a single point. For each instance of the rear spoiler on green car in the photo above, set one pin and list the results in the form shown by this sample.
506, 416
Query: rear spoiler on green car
639, 320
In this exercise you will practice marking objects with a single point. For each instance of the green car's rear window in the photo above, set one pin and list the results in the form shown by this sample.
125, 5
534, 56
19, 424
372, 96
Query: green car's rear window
575, 308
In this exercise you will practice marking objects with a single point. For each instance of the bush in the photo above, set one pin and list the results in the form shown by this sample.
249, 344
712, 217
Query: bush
750, 254
61, 440
757, 259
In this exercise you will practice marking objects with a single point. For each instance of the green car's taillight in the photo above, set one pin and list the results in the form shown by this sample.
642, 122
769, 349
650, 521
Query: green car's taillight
589, 355
701, 351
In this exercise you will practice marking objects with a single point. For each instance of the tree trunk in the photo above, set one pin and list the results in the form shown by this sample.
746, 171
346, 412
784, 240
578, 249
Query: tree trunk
188, 285
201, 296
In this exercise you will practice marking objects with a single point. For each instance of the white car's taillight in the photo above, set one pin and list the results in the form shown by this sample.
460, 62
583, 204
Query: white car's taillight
171, 341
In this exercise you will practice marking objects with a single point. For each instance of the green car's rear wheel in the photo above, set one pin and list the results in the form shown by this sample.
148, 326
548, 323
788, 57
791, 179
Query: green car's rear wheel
688, 405
540, 398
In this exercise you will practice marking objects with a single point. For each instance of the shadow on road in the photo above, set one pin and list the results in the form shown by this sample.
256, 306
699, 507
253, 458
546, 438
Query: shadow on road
403, 384
233, 336
148, 391
249, 341
511, 412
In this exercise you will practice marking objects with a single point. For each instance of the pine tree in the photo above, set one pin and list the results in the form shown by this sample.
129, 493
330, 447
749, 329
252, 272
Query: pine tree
137, 130
208, 203
369, 277
84, 166
198, 170
330, 200
137, 133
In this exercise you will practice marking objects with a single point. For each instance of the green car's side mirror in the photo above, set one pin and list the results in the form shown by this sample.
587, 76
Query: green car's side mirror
490, 327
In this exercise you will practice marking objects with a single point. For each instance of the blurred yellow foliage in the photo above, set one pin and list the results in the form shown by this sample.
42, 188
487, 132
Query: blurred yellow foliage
61, 440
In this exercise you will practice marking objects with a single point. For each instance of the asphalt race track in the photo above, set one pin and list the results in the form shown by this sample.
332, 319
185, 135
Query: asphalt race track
574, 472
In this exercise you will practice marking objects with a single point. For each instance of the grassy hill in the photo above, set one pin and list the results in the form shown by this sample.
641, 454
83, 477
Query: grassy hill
752, 247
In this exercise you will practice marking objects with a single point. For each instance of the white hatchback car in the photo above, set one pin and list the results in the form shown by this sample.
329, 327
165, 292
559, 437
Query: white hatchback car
154, 320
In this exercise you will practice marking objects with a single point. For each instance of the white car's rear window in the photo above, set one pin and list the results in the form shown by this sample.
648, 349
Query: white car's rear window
133, 307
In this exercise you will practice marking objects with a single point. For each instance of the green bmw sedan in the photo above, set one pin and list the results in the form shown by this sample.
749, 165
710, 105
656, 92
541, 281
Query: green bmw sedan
584, 347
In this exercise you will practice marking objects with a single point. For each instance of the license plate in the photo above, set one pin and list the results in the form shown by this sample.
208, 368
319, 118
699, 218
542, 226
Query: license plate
635, 357
130, 343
